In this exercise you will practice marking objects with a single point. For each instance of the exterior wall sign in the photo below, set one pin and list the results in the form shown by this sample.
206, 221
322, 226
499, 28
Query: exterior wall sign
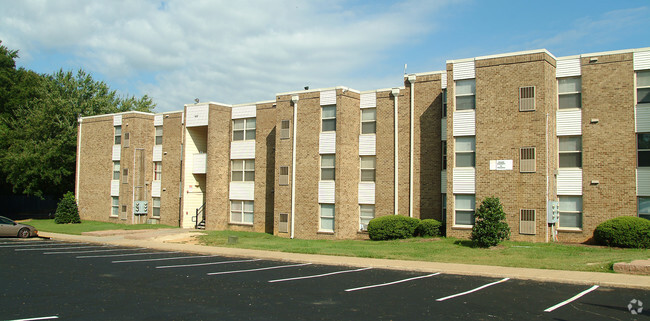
501, 165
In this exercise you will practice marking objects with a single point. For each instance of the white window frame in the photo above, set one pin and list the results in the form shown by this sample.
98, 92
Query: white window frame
116, 170
115, 208
117, 135
372, 121
644, 87
580, 212
157, 171
327, 119
645, 215
639, 150
560, 152
242, 212
457, 209
472, 151
155, 208
364, 218
368, 170
465, 95
247, 130
159, 135
569, 93
328, 168
243, 171
327, 218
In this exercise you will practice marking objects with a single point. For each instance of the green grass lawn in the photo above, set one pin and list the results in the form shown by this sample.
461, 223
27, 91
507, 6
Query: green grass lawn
513, 254
88, 226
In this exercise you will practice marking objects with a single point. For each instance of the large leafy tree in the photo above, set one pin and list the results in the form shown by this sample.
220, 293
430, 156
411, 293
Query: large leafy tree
38, 124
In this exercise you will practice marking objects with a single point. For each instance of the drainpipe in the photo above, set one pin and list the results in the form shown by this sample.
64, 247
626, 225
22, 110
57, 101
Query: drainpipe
76, 185
411, 79
395, 93
547, 183
294, 100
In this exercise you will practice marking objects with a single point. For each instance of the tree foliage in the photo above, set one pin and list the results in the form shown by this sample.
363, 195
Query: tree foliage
490, 227
38, 123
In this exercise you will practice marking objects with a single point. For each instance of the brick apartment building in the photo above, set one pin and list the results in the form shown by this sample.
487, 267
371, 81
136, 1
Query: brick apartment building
539, 132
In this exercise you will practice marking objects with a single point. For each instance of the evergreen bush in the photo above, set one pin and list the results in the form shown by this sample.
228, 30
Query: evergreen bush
392, 227
67, 211
429, 228
624, 231
490, 227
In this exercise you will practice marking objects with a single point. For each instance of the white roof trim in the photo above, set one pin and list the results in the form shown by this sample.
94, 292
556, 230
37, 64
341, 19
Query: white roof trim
317, 90
509, 54
208, 103
122, 113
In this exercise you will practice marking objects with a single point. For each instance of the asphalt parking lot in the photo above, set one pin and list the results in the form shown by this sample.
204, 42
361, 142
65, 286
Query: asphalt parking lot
46, 280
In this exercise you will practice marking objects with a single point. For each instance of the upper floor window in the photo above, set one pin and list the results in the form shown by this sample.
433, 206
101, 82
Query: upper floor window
368, 164
369, 121
527, 160
243, 129
118, 135
327, 167
243, 170
157, 171
285, 129
116, 170
466, 151
328, 117
643, 150
643, 87
569, 92
466, 94
570, 151
527, 98
159, 133
444, 154
444, 103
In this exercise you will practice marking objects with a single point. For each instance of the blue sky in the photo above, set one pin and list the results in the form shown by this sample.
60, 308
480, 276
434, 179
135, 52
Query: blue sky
239, 52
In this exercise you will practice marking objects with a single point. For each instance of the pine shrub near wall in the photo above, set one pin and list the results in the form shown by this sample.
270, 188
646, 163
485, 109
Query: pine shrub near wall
67, 211
490, 226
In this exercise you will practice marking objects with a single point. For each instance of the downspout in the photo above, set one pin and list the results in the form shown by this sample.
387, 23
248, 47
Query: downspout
395, 93
547, 193
76, 185
294, 100
411, 80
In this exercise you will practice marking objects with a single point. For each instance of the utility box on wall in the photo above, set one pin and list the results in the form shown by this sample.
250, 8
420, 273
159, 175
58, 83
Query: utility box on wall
553, 212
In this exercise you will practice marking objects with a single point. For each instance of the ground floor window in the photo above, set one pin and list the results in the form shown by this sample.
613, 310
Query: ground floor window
241, 212
366, 213
156, 207
570, 212
326, 218
465, 205
115, 206
444, 207
644, 207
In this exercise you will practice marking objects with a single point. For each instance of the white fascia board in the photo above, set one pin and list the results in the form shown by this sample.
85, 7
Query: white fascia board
170, 112
317, 90
614, 52
509, 54
208, 103
418, 74
568, 57
122, 113
255, 103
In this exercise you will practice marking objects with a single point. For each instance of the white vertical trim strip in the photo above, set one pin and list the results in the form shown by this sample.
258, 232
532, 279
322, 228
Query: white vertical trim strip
115, 187
569, 122
464, 123
368, 100
443, 80
367, 145
155, 188
367, 192
327, 143
464, 70
326, 192
464, 180
641, 60
157, 153
568, 68
328, 97
117, 152
569, 181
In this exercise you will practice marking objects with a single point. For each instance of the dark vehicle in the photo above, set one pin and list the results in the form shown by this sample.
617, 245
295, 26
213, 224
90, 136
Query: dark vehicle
11, 228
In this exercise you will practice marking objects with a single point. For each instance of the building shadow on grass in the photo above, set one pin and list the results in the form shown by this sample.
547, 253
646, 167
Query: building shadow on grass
465, 243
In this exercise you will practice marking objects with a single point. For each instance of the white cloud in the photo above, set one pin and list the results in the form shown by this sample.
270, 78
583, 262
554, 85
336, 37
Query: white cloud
228, 51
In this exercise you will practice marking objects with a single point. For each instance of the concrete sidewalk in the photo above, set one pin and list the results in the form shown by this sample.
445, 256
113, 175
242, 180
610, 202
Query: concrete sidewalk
168, 240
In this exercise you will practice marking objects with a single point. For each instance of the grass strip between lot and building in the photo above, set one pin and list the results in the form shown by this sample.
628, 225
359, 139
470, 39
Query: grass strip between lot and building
88, 226
555, 256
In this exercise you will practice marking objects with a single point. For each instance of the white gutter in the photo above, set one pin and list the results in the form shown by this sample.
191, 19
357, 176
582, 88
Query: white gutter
294, 100
395, 93
132, 187
546, 134
411, 80
76, 185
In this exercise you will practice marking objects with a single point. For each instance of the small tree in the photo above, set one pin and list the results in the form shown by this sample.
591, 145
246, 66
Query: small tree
490, 227
67, 211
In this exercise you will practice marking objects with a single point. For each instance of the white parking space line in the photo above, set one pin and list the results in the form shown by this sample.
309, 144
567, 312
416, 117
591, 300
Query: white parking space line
94, 251
391, 283
260, 269
203, 264
59, 248
166, 258
473, 290
127, 254
40, 318
32, 243
42, 244
577, 296
319, 275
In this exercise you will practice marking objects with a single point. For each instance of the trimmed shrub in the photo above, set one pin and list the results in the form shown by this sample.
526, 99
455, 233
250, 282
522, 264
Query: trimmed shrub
624, 231
428, 228
392, 227
67, 211
490, 227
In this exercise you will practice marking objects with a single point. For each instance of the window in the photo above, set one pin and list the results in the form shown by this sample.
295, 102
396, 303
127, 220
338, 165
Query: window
444, 208
159, 133
444, 154
465, 206
466, 94
243, 170
643, 87
465, 151
116, 170
115, 205
326, 218
284, 175
527, 160
156, 207
569, 92
327, 167
157, 171
125, 176
243, 129
644, 207
285, 129
328, 114
368, 164
571, 151
127, 139
570, 212
368, 121
241, 212
643, 150
527, 98
284, 223
444, 103
118, 135
366, 213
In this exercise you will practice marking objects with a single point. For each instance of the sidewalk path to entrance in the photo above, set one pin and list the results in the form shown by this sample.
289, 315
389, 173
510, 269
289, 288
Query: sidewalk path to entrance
171, 240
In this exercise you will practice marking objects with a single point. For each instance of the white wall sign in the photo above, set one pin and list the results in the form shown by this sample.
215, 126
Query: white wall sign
501, 165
